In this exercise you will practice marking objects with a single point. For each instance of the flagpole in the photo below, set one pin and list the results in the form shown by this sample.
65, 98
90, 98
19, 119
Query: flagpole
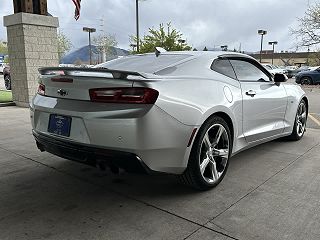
137, 24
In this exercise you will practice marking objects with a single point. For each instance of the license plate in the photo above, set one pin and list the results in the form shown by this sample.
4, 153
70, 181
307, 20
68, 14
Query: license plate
59, 125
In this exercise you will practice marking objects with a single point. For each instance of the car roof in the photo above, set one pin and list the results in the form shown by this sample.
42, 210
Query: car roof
204, 55
179, 58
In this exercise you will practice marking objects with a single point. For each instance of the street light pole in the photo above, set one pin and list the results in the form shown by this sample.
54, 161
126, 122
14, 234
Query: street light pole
137, 24
89, 30
273, 43
262, 33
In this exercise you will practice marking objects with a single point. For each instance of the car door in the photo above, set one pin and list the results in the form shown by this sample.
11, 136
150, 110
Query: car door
264, 102
316, 76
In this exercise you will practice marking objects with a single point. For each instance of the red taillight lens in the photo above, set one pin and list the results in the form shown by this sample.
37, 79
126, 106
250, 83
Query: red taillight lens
41, 89
124, 95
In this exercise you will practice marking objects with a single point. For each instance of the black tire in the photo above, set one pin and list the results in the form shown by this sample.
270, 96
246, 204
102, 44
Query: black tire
7, 82
300, 122
306, 81
218, 131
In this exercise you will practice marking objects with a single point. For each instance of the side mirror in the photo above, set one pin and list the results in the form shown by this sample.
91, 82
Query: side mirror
279, 78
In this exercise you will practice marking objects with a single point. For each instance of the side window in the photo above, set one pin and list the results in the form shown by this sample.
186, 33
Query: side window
224, 67
248, 72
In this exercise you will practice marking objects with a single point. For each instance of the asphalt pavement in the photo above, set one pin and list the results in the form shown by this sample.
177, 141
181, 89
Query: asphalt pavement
269, 192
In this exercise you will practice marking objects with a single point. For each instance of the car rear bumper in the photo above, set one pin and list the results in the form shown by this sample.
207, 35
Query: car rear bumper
158, 139
89, 155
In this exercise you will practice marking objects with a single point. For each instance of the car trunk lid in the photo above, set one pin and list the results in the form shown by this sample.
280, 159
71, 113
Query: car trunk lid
76, 83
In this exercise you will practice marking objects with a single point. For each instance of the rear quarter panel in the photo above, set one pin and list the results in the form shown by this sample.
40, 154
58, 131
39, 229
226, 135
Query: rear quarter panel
192, 100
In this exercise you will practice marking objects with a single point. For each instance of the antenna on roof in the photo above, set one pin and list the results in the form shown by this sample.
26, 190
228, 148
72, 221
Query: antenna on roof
159, 50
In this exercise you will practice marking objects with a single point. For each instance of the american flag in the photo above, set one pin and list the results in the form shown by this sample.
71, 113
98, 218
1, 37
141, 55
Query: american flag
77, 11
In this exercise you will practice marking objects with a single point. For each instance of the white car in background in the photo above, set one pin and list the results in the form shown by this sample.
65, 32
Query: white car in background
273, 69
2, 65
313, 68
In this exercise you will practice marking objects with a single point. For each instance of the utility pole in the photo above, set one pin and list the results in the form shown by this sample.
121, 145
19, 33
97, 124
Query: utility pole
137, 24
262, 33
89, 30
273, 43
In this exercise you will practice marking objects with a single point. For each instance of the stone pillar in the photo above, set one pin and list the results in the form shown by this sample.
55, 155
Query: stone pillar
32, 43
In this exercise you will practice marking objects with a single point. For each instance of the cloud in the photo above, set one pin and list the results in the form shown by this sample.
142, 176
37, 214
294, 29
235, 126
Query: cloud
203, 22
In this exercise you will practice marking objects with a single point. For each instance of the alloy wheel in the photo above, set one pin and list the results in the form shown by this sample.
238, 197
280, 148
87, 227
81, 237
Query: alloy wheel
214, 153
306, 81
301, 119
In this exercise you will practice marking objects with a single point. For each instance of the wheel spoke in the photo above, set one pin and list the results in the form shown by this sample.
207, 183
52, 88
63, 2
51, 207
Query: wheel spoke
224, 153
219, 134
206, 141
204, 165
214, 170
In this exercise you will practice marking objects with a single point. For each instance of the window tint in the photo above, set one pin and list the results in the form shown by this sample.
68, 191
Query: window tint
224, 67
148, 63
246, 71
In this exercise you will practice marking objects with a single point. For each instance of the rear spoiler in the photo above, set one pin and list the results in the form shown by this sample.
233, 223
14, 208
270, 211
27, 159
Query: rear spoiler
117, 74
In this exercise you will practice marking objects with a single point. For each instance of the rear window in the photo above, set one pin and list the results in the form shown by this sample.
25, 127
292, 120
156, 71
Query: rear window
145, 63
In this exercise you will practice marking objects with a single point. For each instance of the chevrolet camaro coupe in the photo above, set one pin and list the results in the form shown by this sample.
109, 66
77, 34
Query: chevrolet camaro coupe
182, 113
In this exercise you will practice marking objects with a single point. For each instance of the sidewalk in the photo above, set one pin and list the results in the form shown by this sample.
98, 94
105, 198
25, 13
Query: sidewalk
270, 192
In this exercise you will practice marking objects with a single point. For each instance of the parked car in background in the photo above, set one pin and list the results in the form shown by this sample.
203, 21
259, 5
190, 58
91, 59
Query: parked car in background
313, 68
183, 113
273, 69
2, 65
303, 68
309, 77
292, 71
7, 77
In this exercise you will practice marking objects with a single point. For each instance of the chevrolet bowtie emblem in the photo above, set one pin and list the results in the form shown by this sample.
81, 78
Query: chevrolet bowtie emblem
62, 92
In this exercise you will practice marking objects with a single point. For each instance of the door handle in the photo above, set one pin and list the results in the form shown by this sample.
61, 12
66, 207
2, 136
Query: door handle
251, 93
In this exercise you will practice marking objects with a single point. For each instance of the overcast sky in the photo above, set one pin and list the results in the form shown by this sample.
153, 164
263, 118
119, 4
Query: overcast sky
203, 22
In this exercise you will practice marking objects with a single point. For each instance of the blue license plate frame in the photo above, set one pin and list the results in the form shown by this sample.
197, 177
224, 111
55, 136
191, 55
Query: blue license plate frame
59, 125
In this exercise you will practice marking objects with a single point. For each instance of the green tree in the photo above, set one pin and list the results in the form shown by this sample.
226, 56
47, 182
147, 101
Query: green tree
105, 44
308, 31
64, 44
6, 59
205, 49
3, 47
166, 37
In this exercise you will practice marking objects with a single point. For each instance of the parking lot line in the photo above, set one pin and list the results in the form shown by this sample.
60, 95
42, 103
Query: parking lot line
314, 119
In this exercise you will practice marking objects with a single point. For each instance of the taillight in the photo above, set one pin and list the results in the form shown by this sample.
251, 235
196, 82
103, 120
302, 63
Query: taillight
41, 89
124, 95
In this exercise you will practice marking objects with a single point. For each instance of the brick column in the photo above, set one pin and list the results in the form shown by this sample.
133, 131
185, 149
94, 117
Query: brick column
32, 43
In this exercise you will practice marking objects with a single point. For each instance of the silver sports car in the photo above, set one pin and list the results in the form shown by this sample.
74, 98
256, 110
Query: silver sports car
183, 113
